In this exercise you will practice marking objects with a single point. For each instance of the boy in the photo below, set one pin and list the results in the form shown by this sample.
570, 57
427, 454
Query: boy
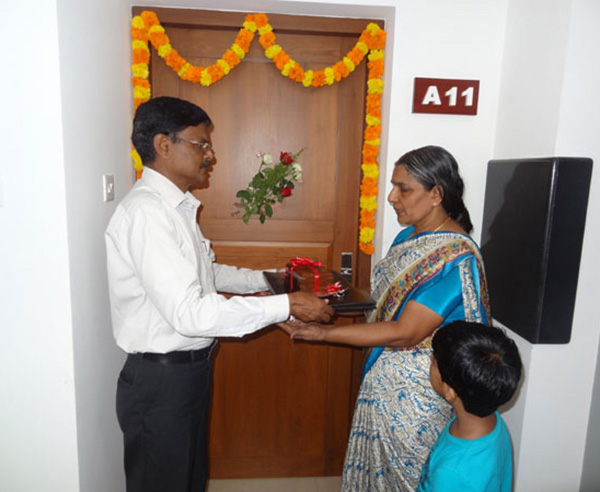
476, 369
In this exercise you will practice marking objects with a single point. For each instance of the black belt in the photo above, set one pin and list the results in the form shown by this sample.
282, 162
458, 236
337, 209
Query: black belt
179, 357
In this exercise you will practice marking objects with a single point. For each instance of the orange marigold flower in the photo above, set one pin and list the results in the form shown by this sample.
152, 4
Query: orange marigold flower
175, 60
367, 248
150, 18
356, 56
140, 56
367, 218
281, 59
267, 40
260, 20
370, 151
296, 73
231, 58
138, 82
337, 73
372, 132
318, 79
375, 69
368, 187
141, 34
374, 100
342, 69
194, 74
244, 38
158, 39
216, 72
378, 41
137, 102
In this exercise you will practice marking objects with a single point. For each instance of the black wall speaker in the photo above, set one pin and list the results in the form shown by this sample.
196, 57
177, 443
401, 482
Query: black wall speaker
533, 225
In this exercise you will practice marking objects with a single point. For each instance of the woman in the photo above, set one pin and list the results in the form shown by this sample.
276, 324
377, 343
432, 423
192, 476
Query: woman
431, 276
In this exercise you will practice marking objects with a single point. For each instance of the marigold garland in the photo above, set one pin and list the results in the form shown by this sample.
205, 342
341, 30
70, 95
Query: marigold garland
146, 29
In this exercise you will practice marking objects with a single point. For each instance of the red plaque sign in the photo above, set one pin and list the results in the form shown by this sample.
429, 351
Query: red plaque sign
445, 96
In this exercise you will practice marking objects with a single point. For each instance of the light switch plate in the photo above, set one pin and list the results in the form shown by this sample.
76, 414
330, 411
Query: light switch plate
108, 187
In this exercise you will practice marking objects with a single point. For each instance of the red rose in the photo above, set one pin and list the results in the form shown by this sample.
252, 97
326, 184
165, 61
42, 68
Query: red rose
286, 159
287, 191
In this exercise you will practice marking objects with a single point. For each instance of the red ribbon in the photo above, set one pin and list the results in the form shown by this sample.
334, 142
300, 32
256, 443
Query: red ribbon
305, 262
334, 289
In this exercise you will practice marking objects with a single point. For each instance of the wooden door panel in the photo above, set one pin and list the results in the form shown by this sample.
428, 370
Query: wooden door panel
279, 408
265, 255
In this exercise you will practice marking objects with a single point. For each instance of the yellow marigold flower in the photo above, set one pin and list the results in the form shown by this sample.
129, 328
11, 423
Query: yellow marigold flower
205, 79
375, 86
368, 202
288, 66
373, 28
137, 160
140, 70
376, 55
139, 45
141, 93
366, 234
362, 47
265, 29
164, 50
329, 75
349, 63
374, 143
238, 51
273, 51
156, 29
308, 78
184, 69
224, 65
372, 120
370, 170
138, 22
250, 25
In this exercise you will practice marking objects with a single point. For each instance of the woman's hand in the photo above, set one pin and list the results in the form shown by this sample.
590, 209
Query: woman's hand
308, 331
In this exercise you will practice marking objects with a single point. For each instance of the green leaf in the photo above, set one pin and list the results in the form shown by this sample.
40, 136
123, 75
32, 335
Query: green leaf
246, 217
262, 218
244, 194
269, 210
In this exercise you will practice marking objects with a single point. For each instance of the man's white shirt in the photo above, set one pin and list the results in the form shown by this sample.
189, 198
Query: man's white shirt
163, 278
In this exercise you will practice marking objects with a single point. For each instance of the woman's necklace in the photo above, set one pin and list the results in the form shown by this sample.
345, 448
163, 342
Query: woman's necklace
442, 224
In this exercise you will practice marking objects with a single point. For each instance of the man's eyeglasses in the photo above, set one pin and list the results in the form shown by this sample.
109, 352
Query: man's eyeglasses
203, 146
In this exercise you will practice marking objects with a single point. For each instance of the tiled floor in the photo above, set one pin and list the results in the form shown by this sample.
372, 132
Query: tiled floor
308, 484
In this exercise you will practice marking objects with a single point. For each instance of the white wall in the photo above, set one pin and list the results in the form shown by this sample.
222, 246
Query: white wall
38, 440
82, 122
549, 106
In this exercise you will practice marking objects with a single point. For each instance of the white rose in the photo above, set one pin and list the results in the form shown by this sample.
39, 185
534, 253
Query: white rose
297, 171
267, 159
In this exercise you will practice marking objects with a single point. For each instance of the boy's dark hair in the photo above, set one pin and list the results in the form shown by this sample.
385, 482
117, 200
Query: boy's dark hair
480, 363
163, 115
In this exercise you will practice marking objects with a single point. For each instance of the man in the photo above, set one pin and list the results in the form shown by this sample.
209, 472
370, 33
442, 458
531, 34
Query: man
166, 312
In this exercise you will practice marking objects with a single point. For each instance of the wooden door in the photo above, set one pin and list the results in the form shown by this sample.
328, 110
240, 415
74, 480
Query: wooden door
279, 408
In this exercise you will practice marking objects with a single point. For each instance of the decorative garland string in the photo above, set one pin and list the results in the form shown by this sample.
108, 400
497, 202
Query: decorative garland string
146, 29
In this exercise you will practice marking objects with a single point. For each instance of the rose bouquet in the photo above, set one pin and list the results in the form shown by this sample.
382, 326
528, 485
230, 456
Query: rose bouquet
270, 185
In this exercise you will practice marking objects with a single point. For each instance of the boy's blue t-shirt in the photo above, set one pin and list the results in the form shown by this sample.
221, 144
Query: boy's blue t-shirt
480, 465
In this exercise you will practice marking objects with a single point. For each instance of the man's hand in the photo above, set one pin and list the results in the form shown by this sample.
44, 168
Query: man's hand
308, 307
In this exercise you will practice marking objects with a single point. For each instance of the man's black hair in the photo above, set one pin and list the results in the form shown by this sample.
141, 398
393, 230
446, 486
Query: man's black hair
480, 363
163, 115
